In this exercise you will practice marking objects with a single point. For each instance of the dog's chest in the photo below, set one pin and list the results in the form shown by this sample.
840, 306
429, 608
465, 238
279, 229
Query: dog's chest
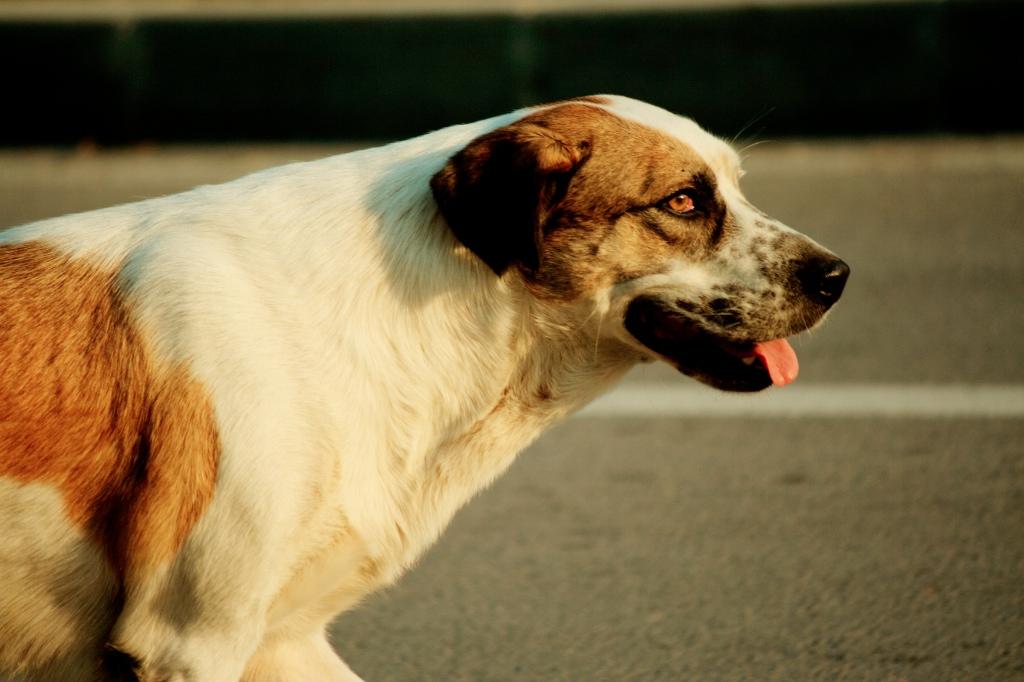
378, 520
352, 551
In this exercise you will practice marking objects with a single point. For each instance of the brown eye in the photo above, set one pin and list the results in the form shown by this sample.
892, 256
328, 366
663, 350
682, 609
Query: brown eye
680, 203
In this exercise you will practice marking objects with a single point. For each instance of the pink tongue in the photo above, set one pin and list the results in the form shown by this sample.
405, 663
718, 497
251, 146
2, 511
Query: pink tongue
780, 359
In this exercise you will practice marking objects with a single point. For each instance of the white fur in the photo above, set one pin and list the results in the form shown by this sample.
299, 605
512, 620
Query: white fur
56, 587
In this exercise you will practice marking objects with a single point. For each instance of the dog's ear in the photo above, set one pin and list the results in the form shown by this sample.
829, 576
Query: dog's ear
498, 192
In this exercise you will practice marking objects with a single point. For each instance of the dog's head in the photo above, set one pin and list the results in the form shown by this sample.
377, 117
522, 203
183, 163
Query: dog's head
619, 204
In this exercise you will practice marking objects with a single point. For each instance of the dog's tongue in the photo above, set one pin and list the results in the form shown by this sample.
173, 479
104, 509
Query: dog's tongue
780, 359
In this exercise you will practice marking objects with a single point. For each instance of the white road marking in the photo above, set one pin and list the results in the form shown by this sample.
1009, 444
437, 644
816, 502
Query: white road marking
829, 400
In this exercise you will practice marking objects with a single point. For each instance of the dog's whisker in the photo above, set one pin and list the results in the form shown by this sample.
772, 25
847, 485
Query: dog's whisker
757, 118
742, 152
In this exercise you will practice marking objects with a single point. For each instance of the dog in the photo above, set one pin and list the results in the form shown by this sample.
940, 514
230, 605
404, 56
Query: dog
230, 414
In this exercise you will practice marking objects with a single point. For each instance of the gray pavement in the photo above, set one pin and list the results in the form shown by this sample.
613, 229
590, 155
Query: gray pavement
732, 547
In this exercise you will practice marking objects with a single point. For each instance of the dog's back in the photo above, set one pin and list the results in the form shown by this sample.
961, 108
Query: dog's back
134, 342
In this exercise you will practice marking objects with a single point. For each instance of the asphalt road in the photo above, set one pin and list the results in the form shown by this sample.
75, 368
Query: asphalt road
736, 545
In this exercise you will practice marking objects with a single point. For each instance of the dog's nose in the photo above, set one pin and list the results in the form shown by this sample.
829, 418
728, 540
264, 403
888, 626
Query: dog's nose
823, 279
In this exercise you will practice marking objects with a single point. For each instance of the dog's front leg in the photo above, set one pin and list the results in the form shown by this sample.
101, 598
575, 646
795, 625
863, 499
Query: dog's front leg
193, 623
201, 615
305, 658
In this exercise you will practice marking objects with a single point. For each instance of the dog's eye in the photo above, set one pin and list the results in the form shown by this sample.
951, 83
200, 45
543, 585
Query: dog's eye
680, 203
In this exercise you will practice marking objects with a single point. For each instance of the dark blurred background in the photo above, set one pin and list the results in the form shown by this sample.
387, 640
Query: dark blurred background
125, 72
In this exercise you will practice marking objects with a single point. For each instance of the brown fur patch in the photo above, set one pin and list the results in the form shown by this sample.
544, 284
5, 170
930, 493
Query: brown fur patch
609, 221
133, 454
495, 192
599, 215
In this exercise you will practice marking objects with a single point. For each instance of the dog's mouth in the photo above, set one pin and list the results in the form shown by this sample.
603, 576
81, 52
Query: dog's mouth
723, 363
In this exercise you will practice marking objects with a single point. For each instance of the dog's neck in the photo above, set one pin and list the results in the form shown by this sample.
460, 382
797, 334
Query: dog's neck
525, 382
463, 369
